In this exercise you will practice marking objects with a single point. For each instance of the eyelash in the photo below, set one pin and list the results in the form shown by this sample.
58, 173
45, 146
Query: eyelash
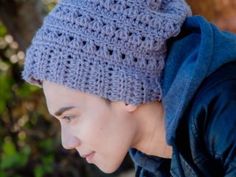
67, 118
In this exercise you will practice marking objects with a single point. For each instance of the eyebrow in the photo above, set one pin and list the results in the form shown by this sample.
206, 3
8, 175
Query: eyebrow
60, 111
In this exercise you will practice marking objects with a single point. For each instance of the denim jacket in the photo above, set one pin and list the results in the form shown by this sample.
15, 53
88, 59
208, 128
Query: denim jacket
205, 144
199, 97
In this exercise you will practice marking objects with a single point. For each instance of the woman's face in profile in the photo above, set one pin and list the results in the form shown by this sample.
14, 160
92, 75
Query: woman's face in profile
101, 132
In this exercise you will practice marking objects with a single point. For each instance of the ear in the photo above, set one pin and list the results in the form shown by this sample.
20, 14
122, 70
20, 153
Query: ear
130, 107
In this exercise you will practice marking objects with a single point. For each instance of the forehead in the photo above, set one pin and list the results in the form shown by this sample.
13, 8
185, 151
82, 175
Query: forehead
53, 89
58, 96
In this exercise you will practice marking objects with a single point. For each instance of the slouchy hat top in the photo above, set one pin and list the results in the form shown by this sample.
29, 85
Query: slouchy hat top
115, 49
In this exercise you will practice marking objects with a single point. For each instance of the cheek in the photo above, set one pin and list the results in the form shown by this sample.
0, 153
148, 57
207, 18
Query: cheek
101, 129
94, 130
110, 138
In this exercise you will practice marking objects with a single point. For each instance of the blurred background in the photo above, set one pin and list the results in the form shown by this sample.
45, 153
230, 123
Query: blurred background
29, 137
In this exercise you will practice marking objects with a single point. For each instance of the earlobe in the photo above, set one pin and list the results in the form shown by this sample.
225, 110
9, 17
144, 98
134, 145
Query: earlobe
130, 107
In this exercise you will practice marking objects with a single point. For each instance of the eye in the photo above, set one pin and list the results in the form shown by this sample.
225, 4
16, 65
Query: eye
68, 119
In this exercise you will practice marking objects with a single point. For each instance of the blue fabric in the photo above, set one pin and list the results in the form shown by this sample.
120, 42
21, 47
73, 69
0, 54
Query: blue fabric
190, 60
149, 166
195, 54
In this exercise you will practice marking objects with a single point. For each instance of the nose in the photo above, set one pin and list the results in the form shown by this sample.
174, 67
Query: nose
68, 140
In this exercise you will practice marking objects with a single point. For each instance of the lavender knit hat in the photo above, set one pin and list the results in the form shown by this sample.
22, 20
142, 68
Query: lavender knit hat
111, 48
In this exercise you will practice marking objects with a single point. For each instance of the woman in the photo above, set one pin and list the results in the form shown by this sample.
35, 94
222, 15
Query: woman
141, 76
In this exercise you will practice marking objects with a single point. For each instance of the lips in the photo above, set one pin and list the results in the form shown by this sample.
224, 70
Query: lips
86, 155
89, 156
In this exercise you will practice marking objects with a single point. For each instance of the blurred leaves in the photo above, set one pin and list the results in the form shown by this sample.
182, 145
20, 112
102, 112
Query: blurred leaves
5, 94
3, 30
11, 158
28, 138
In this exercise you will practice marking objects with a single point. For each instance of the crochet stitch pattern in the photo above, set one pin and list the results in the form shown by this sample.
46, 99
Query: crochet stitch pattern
115, 49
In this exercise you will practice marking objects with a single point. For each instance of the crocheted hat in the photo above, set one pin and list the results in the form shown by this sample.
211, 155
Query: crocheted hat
111, 48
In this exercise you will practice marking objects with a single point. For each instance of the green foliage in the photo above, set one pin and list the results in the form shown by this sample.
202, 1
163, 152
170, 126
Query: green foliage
45, 167
5, 95
26, 90
3, 30
49, 4
25, 150
11, 158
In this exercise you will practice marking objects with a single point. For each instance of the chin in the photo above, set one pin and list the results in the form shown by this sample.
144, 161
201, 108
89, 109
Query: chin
109, 169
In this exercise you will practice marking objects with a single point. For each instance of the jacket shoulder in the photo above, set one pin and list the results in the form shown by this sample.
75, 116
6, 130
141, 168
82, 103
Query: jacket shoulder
212, 118
215, 96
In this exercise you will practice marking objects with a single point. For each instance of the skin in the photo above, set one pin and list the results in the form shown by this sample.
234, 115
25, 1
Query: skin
107, 130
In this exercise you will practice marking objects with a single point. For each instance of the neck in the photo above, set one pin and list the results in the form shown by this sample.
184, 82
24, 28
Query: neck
151, 133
